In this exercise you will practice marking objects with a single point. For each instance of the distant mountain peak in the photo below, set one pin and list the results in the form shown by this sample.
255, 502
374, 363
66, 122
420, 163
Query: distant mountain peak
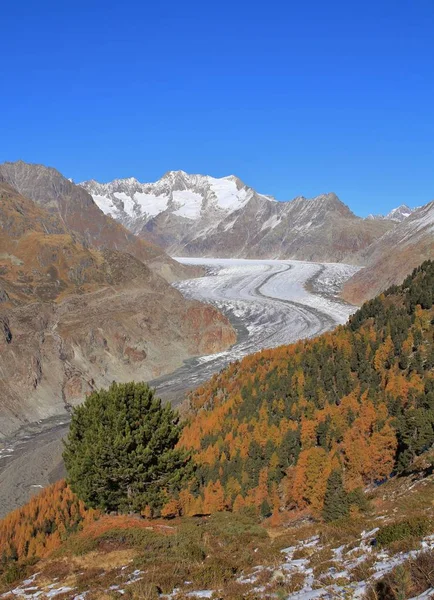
175, 174
329, 197
127, 180
398, 214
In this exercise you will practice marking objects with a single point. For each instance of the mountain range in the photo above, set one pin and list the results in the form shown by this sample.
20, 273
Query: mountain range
393, 255
198, 215
85, 296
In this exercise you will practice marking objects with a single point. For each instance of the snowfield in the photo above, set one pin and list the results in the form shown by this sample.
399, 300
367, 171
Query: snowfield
270, 302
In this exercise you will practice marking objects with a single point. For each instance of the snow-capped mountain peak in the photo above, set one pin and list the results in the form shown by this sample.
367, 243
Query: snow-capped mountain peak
181, 194
398, 214
200, 215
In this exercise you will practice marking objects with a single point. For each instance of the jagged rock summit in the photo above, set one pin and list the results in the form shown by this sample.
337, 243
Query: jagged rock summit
398, 214
199, 215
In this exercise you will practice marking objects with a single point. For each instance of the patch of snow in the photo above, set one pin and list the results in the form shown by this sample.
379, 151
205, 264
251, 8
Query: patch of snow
56, 592
368, 534
201, 594
189, 204
135, 576
271, 223
150, 204
127, 202
105, 204
228, 197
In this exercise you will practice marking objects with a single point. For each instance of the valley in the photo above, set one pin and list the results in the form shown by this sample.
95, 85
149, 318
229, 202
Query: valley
269, 302
217, 301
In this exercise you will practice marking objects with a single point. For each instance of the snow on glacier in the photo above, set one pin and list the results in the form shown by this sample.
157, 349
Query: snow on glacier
150, 204
269, 300
190, 204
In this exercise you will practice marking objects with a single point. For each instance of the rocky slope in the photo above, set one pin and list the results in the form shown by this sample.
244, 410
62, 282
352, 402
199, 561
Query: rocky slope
76, 209
393, 256
227, 555
73, 317
197, 215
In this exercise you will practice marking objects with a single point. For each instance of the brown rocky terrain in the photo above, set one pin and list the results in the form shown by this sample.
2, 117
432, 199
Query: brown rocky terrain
392, 257
77, 211
73, 317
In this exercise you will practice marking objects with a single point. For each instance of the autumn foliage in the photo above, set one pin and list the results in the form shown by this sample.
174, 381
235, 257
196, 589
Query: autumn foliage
40, 526
358, 401
284, 428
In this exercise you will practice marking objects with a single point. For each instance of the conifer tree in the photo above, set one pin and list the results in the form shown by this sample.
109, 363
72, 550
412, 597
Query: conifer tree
335, 500
121, 452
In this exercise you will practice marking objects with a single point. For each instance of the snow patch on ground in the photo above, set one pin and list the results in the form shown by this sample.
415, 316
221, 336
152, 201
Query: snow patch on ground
334, 582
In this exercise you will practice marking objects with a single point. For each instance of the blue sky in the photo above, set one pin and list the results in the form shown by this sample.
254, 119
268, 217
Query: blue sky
293, 97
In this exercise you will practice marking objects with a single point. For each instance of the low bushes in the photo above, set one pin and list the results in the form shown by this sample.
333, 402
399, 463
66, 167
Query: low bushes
410, 579
417, 527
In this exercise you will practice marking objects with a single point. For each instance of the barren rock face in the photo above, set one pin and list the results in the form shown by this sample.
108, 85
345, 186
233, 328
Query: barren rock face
391, 258
74, 318
74, 209
52, 355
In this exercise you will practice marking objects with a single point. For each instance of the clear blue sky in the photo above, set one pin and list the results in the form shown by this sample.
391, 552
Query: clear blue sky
293, 97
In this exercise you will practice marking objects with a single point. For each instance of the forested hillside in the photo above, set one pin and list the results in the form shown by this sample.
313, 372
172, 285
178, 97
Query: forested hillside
39, 527
302, 427
283, 426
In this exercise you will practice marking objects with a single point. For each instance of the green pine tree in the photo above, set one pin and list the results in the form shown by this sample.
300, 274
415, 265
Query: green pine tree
265, 509
121, 452
335, 501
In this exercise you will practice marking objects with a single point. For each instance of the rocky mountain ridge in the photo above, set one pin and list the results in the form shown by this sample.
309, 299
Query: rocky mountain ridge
393, 255
197, 215
398, 214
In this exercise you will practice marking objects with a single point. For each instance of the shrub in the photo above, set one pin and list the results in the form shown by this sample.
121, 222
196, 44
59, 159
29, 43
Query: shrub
417, 527
409, 579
